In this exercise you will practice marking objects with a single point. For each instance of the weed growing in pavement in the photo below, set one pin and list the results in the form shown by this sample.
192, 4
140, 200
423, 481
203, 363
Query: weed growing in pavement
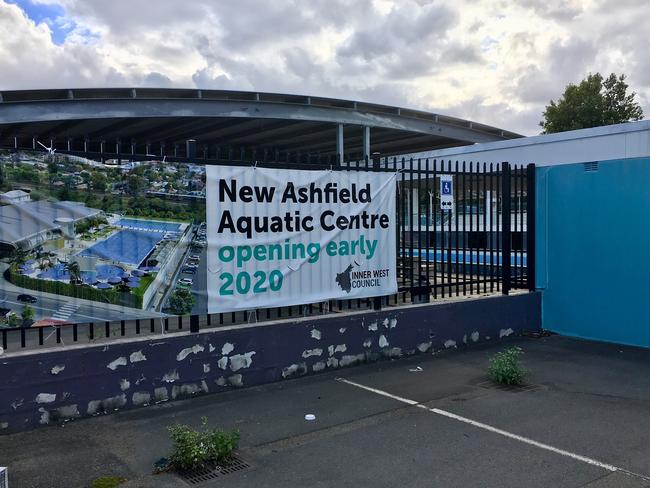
505, 368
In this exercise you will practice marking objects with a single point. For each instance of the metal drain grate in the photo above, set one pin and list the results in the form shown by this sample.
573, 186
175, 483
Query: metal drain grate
207, 473
513, 388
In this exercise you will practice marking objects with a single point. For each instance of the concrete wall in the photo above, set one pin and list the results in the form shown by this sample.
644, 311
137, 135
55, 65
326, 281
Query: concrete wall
593, 243
58, 385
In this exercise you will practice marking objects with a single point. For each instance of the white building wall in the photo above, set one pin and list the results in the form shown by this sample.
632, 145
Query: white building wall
631, 140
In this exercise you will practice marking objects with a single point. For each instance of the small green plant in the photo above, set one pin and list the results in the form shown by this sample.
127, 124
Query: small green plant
107, 482
195, 448
505, 368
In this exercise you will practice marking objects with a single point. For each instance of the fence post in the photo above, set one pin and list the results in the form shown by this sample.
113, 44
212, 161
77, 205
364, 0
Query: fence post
376, 304
506, 238
194, 323
530, 226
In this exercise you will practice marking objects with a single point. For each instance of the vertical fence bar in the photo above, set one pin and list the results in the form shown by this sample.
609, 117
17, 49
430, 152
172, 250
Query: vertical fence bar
470, 236
427, 221
449, 243
464, 226
403, 211
40, 336
411, 260
418, 207
484, 237
530, 226
491, 235
455, 213
505, 228
499, 226
435, 229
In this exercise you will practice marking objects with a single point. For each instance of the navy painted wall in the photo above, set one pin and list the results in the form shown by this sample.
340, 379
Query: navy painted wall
39, 388
593, 240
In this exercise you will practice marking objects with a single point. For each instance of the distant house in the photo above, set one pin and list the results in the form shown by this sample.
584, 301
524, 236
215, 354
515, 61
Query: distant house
15, 196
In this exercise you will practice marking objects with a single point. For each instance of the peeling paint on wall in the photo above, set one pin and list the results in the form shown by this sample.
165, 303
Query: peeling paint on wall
294, 370
449, 343
67, 412
45, 416
383, 342
505, 333
171, 376
475, 336
240, 361
223, 362
312, 352
235, 380
160, 394
106, 405
367, 342
425, 346
45, 398
137, 356
338, 348
374, 326
315, 334
206, 367
121, 361
227, 349
342, 330
319, 366
393, 323
195, 349
125, 384
57, 369
141, 398
352, 359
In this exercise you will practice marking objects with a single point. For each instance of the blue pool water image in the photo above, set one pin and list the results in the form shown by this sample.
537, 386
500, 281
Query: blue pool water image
127, 246
104, 272
149, 225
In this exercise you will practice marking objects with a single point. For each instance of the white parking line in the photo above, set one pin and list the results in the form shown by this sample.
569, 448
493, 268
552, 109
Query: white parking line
495, 430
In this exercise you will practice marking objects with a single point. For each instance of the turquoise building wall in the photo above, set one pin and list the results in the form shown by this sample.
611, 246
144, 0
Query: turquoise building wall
593, 250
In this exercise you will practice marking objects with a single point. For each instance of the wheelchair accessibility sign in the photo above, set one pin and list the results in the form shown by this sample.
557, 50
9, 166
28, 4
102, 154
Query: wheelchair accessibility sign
446, 192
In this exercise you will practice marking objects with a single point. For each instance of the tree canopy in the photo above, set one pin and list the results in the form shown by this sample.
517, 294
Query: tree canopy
593, 102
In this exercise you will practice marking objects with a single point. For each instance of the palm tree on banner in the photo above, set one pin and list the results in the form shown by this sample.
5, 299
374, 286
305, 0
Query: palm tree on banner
74, 271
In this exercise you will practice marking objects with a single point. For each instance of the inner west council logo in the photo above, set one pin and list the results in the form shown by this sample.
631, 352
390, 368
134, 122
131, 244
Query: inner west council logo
349, 279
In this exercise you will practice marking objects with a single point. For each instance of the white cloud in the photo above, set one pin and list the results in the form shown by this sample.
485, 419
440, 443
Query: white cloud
494, 61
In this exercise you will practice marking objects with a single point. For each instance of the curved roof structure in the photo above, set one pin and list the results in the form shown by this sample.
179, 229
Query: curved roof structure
153, 120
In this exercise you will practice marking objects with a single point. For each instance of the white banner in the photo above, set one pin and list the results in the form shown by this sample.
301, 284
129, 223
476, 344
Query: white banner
285, 237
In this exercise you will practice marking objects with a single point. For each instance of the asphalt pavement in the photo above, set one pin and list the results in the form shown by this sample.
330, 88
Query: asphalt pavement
427, 421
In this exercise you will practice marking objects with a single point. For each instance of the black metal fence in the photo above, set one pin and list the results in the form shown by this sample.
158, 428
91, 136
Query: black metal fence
484, 244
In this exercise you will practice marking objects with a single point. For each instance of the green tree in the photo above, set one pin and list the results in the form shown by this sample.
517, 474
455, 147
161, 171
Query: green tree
19, 256
181, 302
27, 314
74, 271
594, 102
98, 181
136, 184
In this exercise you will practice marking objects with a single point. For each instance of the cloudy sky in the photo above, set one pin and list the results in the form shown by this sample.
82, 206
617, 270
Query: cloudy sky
493, 61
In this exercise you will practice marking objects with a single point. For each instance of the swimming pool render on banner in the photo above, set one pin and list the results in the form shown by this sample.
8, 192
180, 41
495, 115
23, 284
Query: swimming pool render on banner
112, 252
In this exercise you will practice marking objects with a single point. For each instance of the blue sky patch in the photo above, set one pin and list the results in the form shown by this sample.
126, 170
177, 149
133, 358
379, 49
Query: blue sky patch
52, 15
